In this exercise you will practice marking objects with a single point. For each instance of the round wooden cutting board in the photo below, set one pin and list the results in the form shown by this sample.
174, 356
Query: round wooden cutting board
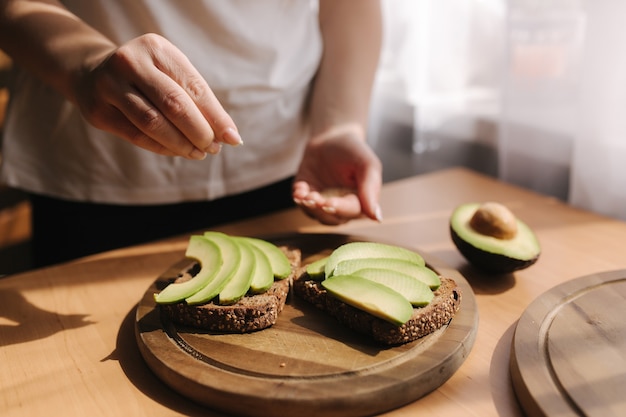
569, 349
307, 364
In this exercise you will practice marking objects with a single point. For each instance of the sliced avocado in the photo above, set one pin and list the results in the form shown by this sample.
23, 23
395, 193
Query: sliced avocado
210, 259
416, 292
316, 268
363, 250
480, 246
263, 276
281, 267
371, 297
239, 283
231, 256
422, 273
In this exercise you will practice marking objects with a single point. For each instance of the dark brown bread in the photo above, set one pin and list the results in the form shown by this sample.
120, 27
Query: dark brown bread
251, 313
424, 320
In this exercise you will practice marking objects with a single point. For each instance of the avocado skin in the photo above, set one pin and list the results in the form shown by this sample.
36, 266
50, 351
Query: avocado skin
489, 262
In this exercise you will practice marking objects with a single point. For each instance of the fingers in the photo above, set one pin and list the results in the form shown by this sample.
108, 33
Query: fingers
122, 127
369, 192
186, 101
331, 206
205, 106
167, 106
312, 204
142, 124
339, 179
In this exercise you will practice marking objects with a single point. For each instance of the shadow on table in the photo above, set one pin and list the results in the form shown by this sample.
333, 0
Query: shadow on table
481, 282
488, 284
127, 354
23, 318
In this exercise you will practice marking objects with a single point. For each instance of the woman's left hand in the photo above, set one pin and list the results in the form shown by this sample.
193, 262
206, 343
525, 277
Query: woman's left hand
339, 178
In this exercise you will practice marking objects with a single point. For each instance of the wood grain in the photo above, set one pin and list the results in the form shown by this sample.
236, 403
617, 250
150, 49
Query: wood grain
307, 364
67, 342
569, 350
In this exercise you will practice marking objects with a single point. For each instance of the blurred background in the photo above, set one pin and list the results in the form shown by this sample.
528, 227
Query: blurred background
532, 92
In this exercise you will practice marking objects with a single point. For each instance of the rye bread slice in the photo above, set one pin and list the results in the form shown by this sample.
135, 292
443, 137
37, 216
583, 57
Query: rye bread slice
425, 320
252, 313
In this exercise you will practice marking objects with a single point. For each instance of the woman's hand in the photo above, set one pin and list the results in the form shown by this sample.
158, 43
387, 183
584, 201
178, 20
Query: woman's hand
148, 93
339, 178
145, 91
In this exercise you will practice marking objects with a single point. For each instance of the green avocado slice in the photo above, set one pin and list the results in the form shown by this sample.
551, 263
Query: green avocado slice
210, 259
416, 292
420, 272
231, 257
489, 253
239, 283
371, 297
363, 250
316, 268
263, 276
281, 267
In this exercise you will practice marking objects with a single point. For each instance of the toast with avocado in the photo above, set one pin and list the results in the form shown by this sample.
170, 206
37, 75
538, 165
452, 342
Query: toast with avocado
241, 285
246, 289
387, 299
422, 321
251, 313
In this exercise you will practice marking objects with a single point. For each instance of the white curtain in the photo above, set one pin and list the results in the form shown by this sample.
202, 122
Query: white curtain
549, 75
599, 159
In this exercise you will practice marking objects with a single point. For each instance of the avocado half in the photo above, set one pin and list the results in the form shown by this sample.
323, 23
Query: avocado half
489, 253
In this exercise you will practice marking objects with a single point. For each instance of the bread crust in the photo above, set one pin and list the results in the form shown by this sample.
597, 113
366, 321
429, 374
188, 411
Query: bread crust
252, 313
425, 320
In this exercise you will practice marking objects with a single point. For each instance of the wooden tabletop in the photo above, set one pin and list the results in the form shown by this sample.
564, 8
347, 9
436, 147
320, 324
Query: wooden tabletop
67, 344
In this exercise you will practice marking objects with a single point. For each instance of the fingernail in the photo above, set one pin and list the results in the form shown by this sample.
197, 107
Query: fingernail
232, 137
329, 209
379, 214
214, 148
197, 154
298, 201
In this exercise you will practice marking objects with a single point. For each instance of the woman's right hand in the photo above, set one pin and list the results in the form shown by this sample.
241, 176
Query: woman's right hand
145, 91
148, 93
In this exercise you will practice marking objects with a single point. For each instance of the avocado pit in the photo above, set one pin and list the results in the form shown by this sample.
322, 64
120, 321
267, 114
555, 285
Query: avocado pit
494, 219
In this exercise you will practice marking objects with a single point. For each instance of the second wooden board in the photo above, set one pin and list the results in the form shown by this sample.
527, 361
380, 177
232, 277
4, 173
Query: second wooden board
569, 347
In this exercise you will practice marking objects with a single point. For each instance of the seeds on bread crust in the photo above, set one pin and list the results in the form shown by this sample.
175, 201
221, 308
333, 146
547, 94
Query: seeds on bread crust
251, 313
425, 320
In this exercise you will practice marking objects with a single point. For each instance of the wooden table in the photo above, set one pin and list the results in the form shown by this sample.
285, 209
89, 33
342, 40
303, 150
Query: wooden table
66, 332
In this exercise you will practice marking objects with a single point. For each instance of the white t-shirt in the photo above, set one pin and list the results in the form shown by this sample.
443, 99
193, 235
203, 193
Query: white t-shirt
259, 57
